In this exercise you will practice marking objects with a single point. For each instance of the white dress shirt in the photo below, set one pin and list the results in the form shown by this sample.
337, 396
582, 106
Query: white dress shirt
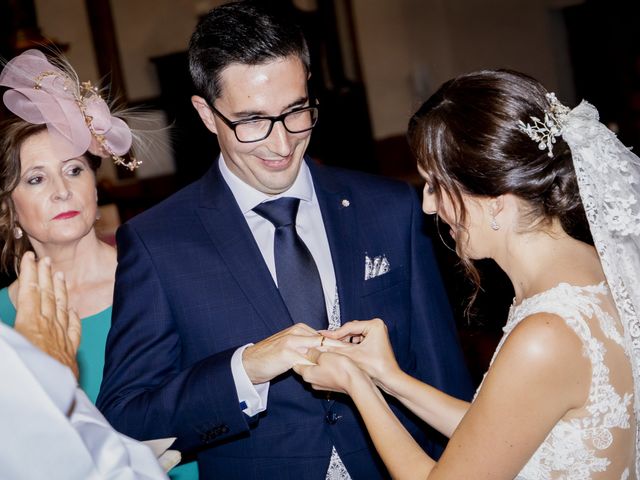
52, 430
310, 228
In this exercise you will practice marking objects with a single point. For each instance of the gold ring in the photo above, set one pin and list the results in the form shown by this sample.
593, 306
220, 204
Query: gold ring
322, 340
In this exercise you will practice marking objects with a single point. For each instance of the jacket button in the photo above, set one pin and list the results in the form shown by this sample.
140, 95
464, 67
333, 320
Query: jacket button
331, 418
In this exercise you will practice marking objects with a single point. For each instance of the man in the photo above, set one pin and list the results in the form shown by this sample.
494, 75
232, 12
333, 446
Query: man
218, 295
52, 429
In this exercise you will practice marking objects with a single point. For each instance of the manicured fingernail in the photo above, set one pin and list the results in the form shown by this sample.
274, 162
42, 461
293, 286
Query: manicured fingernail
47, 261
59, 275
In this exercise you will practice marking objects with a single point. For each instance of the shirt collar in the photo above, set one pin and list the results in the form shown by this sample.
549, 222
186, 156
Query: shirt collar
248, 197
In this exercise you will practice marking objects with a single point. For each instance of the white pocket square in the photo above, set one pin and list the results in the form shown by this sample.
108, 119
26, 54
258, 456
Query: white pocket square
376, 266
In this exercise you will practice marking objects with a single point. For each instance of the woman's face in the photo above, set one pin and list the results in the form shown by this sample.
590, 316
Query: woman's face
55, 200
471, 237
431, 205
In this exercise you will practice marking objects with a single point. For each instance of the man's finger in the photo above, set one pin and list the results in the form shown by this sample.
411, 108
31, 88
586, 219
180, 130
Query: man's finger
302, 343
60, 293
74, 330
47, 297
330, 344
28, 291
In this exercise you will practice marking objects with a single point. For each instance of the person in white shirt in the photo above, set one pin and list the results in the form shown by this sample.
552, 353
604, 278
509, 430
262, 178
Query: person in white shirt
52, 430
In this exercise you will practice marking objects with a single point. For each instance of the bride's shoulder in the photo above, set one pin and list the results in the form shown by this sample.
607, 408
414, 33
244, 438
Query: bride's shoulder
540, 367
544, 345
543, 334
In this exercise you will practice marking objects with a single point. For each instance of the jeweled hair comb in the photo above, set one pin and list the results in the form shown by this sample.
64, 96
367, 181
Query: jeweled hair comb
544, 132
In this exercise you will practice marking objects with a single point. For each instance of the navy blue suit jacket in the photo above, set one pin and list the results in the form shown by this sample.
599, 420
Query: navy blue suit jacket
192, 286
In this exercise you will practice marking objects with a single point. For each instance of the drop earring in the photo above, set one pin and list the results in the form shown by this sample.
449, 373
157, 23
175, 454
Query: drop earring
494, 224
17, 232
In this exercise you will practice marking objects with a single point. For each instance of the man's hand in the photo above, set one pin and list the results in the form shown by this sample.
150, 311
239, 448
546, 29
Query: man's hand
42, 316
275, 355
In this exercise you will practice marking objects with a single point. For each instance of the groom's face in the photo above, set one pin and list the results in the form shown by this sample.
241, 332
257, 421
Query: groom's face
270, 89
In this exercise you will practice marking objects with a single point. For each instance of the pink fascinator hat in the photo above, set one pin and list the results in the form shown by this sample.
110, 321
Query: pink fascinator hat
77, 117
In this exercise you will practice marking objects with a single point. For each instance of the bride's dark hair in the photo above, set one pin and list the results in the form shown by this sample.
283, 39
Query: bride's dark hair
466, 139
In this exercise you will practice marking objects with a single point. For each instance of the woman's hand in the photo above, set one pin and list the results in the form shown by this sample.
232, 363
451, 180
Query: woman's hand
42, 315
368, 346
331, 371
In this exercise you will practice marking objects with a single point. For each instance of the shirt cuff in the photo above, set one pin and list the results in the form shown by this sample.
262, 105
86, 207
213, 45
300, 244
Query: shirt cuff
252, 398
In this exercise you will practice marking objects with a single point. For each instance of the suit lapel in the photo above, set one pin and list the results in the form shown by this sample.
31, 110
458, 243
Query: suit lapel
231, 236
339, 216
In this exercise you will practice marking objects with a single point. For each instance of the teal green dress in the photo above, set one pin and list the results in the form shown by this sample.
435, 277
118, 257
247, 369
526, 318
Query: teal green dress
91, 361
91, 352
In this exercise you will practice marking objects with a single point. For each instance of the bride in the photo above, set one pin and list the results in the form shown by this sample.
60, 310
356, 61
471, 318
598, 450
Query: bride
523, 180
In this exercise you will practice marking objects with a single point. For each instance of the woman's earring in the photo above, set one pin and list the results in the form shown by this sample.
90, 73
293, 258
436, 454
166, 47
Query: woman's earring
494, 225
17, 233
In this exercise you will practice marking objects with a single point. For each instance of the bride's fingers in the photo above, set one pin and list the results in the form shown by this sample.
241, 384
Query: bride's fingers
349, 329
305, 371
304, 361
343, 349
313, 354
344, 339
301, 369
355, 339
324, 388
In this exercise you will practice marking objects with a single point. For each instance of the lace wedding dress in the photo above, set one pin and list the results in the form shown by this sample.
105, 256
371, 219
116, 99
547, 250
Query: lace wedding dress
596, 441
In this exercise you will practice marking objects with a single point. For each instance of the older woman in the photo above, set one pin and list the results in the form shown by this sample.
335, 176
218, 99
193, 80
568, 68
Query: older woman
50, 205
49, 152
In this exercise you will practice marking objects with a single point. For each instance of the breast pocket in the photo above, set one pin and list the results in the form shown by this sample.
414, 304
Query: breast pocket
382, 282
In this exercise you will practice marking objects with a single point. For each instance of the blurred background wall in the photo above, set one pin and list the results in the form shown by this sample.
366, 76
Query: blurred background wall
395, 52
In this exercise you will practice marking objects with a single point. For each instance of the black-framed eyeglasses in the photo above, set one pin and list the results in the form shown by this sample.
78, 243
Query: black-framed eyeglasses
258, 128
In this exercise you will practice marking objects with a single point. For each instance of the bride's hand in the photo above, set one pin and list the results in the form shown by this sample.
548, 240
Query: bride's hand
372, 351
331, 371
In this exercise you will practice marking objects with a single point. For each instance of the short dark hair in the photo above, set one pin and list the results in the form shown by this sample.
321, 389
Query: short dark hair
243, 32
466, 138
